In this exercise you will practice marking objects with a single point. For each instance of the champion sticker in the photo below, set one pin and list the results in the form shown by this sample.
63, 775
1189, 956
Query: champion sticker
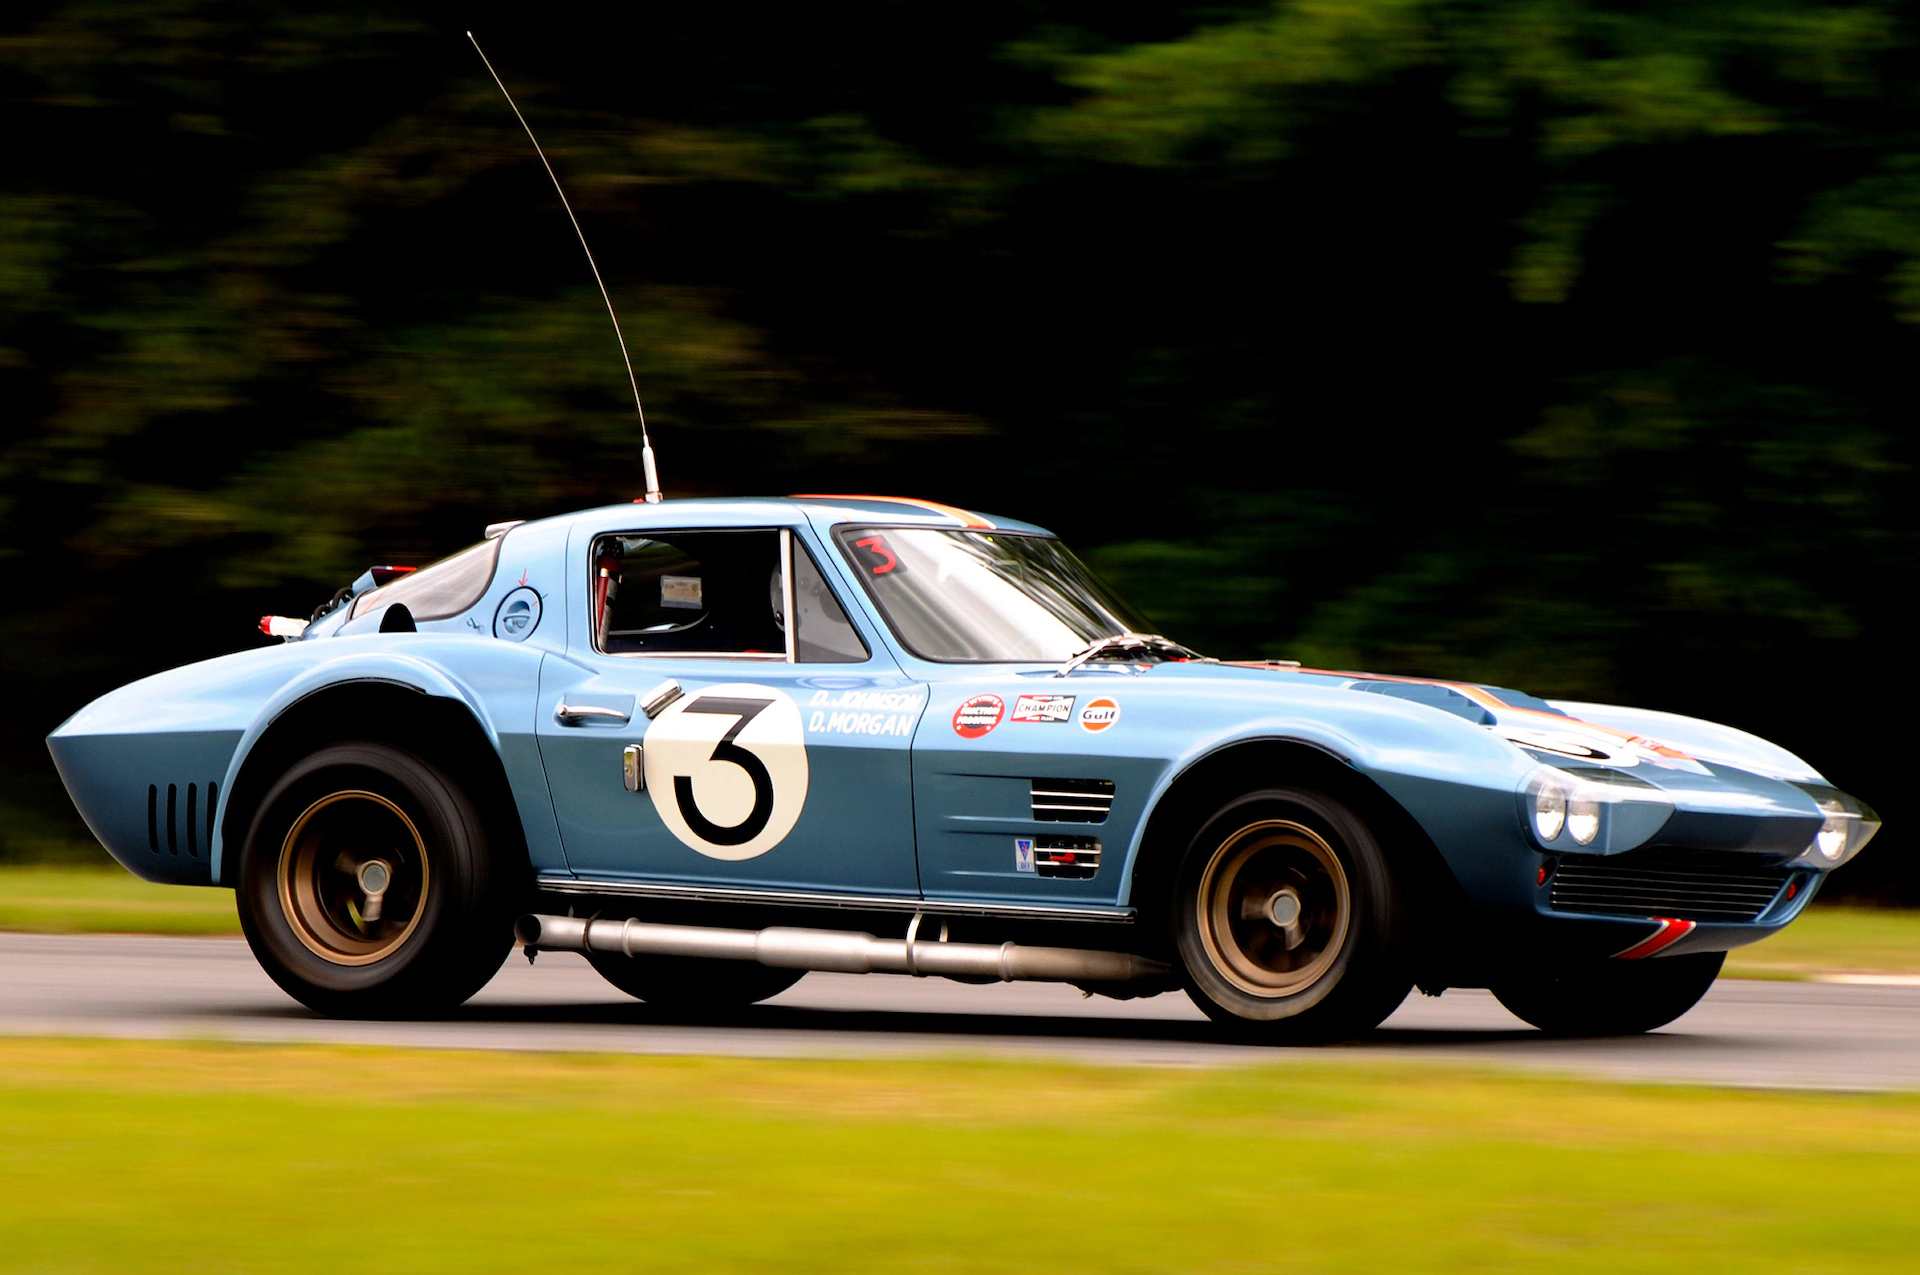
1043, 708
727, 769
1099, 714
978, 716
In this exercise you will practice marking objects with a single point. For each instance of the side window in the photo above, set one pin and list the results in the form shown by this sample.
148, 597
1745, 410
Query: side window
689, 593
442, 589
824, 634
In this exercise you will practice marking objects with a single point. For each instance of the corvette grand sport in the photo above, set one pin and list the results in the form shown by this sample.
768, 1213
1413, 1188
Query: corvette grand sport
715, 744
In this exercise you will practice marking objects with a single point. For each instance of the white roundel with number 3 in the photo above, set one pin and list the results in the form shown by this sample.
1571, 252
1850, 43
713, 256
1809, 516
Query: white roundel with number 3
727, 768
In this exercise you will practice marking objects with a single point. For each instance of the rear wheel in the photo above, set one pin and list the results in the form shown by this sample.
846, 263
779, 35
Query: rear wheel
368, 888
1611, 998
1290, 923
690, 982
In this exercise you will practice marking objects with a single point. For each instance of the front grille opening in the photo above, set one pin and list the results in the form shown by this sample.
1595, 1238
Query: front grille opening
1691, 886
1072, 800
1074, 857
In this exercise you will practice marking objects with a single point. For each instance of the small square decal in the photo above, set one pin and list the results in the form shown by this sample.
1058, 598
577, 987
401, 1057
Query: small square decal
1023, 854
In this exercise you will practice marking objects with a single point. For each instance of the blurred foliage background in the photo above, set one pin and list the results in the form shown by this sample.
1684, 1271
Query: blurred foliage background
1555, 344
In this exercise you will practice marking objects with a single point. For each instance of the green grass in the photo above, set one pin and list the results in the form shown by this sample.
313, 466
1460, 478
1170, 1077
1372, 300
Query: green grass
51, 899
120, 1156
1830, 939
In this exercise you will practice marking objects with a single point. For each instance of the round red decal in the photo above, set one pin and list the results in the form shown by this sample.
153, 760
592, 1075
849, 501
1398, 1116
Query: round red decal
1099, 714
978, 716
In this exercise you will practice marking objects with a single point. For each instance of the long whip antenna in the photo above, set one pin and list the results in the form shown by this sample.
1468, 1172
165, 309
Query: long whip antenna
646, 444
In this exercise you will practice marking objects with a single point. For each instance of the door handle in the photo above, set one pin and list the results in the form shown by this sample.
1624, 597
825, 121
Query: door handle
571, 714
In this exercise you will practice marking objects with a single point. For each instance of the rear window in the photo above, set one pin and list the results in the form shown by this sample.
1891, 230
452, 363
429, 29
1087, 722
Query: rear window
442, 589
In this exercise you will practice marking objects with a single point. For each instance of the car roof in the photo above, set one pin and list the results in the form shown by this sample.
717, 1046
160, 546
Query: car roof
740, 511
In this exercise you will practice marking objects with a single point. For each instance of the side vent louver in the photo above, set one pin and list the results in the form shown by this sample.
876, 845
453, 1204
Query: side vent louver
1072, 800
195, 829
1074, 857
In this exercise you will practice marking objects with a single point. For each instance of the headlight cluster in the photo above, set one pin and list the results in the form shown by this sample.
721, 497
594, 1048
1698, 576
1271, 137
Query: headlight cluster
1572, 810
1848, 825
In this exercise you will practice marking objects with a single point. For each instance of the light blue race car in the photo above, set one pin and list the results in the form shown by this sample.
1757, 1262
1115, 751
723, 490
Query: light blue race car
714, 744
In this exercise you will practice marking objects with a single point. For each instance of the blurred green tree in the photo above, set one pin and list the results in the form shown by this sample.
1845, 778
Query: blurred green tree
1550, 343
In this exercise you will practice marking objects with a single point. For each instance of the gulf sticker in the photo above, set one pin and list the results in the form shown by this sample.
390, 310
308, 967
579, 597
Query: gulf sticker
978, 716
1099, 714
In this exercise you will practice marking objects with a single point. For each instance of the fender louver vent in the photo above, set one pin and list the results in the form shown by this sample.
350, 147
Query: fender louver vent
1690, 887
1076, 857
1072, 800
197, 828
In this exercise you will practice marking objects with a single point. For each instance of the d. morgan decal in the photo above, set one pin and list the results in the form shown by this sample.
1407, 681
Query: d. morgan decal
727, 769
978, 716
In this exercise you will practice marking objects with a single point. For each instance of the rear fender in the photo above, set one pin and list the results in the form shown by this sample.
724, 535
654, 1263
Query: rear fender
369, 668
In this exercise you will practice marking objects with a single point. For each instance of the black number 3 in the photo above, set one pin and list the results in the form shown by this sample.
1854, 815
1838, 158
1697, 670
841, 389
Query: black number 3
728, 751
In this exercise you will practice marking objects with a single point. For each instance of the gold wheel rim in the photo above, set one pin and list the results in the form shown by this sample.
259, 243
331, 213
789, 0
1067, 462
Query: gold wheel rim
1274, 908
326, 866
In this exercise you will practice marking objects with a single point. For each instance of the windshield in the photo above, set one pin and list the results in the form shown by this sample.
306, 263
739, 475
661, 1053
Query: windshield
984, 597
445, 588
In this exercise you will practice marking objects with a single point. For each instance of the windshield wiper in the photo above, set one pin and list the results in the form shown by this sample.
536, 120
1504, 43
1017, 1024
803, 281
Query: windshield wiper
1165, 648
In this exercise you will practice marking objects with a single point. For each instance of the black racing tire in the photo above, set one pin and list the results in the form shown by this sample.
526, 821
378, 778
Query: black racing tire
444, 922
1291, 925
1611, 998
691, 982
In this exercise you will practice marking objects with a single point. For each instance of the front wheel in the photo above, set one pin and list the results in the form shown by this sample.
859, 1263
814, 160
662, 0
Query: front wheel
368, 889
1290, 923
1611, 998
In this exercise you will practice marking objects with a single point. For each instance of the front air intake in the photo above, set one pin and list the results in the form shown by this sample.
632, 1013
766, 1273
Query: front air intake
1072, 800
1689, 886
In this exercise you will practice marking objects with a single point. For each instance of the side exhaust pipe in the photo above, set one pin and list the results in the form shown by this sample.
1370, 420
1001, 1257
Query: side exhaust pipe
838, 951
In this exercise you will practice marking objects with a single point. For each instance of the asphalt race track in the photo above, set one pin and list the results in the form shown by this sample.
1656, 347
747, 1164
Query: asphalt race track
1801, 1035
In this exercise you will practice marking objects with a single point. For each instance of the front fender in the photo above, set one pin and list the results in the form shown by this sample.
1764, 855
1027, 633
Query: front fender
1456, 780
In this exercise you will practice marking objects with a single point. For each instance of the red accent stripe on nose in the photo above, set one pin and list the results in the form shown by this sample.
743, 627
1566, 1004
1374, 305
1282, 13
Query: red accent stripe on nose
1671, 931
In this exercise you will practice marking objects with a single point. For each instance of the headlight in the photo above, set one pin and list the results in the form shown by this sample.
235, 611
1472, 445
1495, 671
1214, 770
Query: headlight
1848, 825
1550, 810
1598, 810
1583, 818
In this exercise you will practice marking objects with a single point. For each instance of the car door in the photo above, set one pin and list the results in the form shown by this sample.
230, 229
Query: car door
782, 763
1028, 788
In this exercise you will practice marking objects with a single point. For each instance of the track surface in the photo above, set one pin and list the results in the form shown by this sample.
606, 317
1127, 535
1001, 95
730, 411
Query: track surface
1800, 1035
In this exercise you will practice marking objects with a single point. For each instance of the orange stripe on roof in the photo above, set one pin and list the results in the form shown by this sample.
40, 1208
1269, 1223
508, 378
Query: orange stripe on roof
962, 516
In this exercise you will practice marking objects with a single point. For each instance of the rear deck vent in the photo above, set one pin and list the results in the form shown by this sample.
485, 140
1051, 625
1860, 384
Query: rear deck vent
193, 820
1695, 886
173, 822
1072, 800
1076, 857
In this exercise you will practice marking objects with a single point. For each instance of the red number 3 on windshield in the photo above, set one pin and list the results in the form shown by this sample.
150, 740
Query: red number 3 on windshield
881, 557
